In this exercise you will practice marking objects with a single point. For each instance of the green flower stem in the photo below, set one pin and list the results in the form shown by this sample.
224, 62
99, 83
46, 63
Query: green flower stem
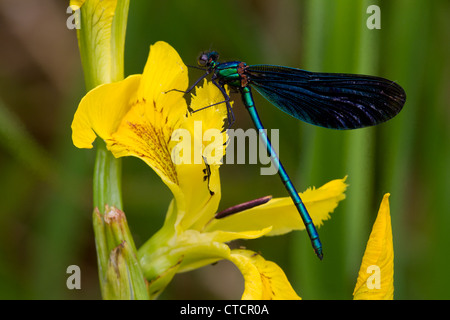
107, 179
101, 39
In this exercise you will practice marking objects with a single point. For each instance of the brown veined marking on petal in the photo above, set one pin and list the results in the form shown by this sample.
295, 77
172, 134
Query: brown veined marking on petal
160, 134
151, 139
265, 278
268, 280
175, 124
156, 150
169, 130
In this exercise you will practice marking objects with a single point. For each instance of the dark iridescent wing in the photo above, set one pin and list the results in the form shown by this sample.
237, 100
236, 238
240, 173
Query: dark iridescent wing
331, 100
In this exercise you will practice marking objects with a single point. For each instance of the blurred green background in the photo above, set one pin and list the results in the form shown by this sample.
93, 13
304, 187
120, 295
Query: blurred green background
46, 183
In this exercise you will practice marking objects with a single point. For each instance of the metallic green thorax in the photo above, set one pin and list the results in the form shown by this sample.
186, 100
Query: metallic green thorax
229, 73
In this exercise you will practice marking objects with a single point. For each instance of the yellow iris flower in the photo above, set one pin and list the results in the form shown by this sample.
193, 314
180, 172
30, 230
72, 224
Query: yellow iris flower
141, 116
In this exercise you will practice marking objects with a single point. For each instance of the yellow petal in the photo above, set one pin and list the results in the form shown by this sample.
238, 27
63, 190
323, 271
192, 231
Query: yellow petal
376, 275
163, 72
102, 110
281, 214
224, 236
207, 145
145, 132
264, 280
209, 107
212, 116
198, 249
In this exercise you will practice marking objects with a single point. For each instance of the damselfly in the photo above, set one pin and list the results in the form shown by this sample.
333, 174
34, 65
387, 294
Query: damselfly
331, 100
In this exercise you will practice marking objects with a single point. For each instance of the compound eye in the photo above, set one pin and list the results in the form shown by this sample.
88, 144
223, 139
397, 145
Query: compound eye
203, 60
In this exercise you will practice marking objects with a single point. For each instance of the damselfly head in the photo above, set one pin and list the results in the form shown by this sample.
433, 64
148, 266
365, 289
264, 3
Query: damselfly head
206, 59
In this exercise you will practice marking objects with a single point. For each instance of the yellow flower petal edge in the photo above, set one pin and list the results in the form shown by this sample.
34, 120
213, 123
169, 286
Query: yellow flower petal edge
376, 275
200, 182
281, 214
76, 4
264, 280
102, 110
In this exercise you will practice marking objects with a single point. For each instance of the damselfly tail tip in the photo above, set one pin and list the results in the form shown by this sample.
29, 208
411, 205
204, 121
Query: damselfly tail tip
317, 246
319, 254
